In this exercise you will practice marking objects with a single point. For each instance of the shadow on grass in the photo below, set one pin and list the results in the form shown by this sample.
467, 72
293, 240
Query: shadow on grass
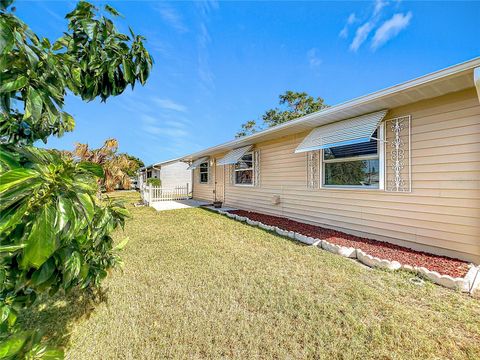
55, 316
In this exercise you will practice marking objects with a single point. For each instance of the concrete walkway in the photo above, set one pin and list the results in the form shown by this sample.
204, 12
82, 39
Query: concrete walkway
177, 204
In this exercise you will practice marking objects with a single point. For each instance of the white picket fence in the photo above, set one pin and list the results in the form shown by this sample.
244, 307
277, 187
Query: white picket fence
152, 194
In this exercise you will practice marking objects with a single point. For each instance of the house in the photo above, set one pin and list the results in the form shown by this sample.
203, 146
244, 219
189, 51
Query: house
400, 165
172, 173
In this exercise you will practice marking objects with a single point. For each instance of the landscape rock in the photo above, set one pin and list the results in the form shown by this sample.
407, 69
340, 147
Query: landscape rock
266, 227
304, 239
376, 262
340, 250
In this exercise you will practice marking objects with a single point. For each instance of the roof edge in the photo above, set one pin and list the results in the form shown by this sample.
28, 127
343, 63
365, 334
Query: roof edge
433, 76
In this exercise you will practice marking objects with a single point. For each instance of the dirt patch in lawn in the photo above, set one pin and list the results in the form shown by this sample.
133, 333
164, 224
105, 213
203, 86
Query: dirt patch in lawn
383, 250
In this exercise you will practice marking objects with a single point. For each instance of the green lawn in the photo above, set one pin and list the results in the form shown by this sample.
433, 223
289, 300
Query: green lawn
200, 285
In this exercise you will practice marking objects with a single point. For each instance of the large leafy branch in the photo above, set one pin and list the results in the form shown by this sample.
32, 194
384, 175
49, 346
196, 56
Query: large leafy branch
92, 59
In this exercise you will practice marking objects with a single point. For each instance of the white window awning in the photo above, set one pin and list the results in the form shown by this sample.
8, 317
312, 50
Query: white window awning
350, 131
233, 156
197, 163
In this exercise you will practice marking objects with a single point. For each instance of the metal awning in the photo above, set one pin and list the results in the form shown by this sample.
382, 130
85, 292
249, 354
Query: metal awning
350, 131
197, 163
233, 156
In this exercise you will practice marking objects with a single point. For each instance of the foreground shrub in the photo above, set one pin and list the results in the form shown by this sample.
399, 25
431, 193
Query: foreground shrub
54, 231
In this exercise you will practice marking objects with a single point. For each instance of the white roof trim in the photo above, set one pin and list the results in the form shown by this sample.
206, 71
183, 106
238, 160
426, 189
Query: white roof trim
197, 163
350, 131
233, 156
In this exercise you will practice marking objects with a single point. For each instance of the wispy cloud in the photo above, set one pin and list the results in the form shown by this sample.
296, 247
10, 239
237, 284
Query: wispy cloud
205, 72
391, 28
383, 33
171, 17
159, 127
165, 131
361, 35
379, 5
352, 18
314, 59
168, 104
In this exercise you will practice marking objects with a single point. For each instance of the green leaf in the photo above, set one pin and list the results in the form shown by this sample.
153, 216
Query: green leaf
12, 216
4, 312
95, 169
6, 36
88, 207
34, 105
9, 159
12, 345
72, 267
53, 354
112, 10
42, 241
68, 120
14, 178
14, 85
65, 213
121, 244
44, 273
11, 248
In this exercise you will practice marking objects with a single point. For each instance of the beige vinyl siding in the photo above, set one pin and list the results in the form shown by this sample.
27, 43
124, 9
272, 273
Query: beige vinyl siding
441, 214
203, 191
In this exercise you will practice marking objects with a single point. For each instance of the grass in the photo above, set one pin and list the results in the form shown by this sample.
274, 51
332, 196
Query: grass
199, 285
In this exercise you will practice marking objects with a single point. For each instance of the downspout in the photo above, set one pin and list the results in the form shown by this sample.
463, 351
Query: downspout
224, 185
472, 286
192, 177
476, 80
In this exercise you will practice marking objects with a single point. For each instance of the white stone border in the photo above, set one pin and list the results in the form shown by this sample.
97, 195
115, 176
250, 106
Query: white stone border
344, 251
469, 283
373, 261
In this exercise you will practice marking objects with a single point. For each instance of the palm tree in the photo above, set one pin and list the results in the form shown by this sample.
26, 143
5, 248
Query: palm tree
115, 166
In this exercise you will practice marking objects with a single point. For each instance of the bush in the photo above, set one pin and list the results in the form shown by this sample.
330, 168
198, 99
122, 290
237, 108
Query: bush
154, 182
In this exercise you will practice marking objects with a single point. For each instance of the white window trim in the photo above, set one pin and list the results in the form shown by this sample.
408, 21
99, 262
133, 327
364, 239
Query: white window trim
200, 172
252, 168
381, 166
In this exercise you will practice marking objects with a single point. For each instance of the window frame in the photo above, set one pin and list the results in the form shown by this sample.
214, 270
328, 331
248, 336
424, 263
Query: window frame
247, 169
381, 165
200, 172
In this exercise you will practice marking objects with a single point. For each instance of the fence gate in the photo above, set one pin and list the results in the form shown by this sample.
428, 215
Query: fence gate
152, 194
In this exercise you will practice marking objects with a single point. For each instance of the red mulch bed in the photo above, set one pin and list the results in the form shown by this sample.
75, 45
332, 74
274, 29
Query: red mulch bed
383, 250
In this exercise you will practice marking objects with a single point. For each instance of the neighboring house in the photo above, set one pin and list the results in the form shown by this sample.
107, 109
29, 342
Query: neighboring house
172, 173
400, 165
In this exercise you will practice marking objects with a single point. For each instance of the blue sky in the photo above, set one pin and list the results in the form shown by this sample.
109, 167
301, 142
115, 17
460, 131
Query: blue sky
219, 64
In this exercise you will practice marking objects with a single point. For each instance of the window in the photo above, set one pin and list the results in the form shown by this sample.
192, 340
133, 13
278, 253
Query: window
204, 172
243, 170
356, 165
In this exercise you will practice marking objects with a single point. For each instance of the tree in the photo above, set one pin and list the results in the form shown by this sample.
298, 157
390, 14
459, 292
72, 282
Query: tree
138, 164
116, 167
294, 105
54, 231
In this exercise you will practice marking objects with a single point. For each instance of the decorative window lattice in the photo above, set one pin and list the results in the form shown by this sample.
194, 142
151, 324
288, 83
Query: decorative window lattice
256, 168
313, 169
398, 170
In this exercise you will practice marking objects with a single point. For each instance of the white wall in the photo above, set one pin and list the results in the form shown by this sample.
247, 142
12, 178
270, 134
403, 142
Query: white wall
176, 174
